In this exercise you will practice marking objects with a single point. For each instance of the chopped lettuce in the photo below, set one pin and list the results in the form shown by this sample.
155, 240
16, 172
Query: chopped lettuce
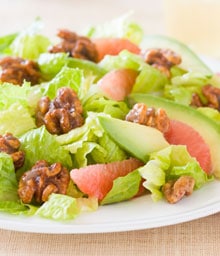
124, 188
29, 43
39, 144
121, 27
66, 77
59, 207
51, 63
90, 144
17, 106
8, 181
98, 103
184, 86
168, 164
5, 42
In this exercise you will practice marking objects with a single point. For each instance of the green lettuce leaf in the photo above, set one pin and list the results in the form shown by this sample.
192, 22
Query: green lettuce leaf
13, 207
29, 43
124, 188
98, 103
121, 27
8, 181
69, 77
59, 207
5, 42
51, 64
16, 120
171, 163
184, 86
90, 144
39, 144
212, 113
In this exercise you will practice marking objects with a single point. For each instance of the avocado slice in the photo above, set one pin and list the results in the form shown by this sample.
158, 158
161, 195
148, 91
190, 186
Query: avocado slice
138, 140
190, 61
206, 127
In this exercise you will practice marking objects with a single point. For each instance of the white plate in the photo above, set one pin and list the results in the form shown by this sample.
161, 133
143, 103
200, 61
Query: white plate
139, 213
136, 214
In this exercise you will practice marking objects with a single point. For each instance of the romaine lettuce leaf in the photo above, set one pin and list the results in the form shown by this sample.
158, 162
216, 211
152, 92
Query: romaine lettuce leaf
69, 77
170, 163
98, 103
39, 144
59, 207
5, 42
121, 27
124, 188
8, 181
90, 144
29, 43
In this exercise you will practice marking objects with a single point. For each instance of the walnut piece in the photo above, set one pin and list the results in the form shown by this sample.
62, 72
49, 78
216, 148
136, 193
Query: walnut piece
162, 59
212, 96
15, 70
62, 114
144, 115
175, 190
41, 181
80, 47
10, 145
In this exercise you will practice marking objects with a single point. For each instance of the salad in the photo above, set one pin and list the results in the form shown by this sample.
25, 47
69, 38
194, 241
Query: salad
103, 116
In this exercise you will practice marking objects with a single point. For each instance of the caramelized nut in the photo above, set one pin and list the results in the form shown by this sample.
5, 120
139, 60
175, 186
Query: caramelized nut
175, 190
10, 145
77, 46
162, 59
62, 114
42, 180
144, 115
15, 70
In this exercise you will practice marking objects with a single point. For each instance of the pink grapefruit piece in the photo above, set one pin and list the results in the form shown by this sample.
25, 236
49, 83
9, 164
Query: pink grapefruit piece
117, 84
97, 180
113, 46
183, 134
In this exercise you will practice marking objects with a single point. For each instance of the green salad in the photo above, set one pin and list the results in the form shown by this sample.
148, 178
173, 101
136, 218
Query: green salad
103, 116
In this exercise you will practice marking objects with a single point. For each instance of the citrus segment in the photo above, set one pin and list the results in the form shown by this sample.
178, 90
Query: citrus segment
97, 180
183, 134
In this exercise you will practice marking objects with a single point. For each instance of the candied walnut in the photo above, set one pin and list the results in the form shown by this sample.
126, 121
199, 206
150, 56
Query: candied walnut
212, 96
41, 181
144, 115
15, 70
10, 145
175, 190
62, 114
80, 47
162, 59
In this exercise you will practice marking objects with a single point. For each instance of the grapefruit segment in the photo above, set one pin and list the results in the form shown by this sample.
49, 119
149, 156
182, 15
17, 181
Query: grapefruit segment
97, 180
180, 133
117, 84
113, 46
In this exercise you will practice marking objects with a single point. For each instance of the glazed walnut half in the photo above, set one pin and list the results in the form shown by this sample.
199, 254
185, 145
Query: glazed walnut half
162, 59
175, 190
80, 47
148, 116
10, 145
15, 70
41, 181
62, 114
211, 95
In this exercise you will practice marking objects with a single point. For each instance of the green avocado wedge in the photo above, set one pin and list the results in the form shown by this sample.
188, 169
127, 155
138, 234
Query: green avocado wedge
190, 61
138, 140
206, 127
